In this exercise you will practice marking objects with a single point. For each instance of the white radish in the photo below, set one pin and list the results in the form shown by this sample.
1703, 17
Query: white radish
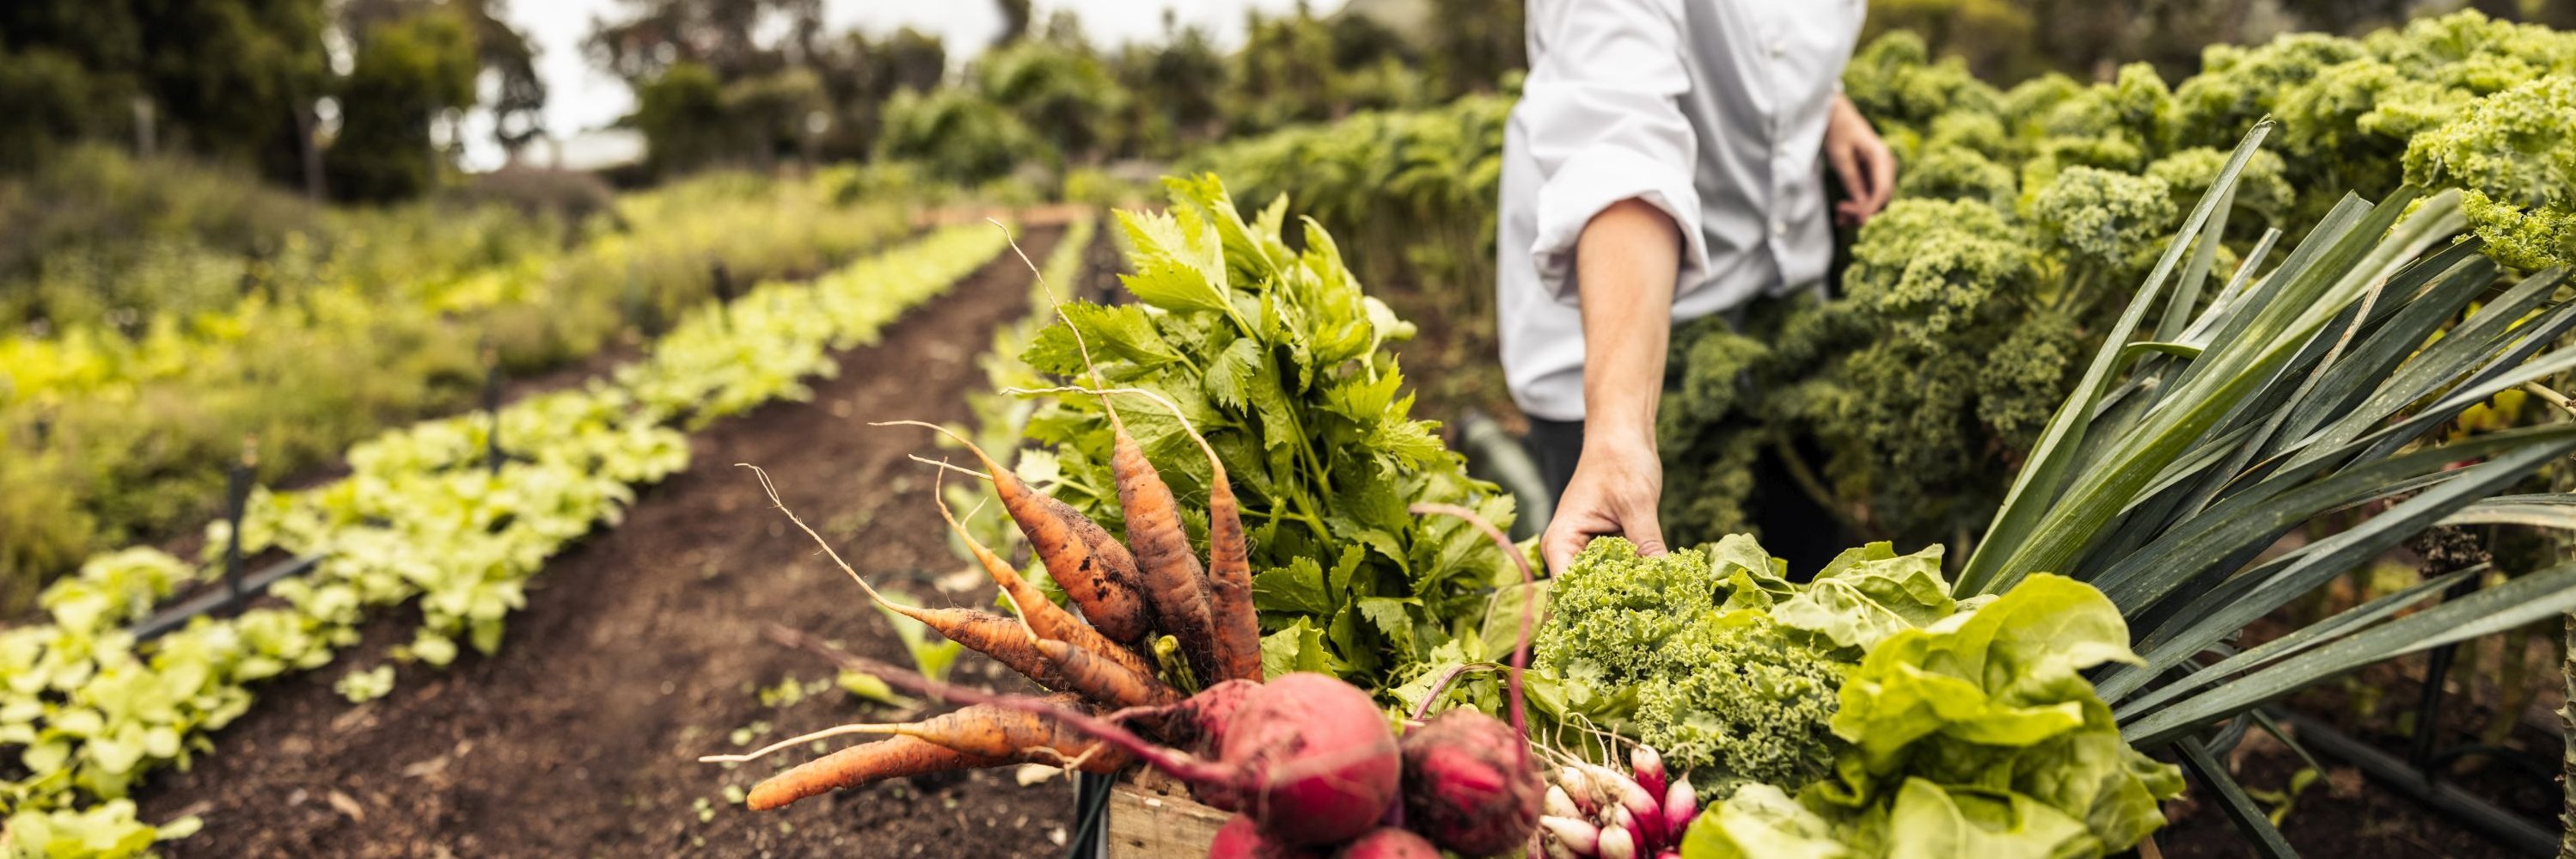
1561, 804
1618, 843
1579, 785
1627, 792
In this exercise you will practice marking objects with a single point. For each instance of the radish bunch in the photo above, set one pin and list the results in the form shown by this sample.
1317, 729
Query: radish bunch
1596, 811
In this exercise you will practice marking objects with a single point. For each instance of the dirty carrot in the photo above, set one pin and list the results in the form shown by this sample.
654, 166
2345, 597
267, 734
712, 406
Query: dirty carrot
862, 764
1106, 680
985, 730
1045, 619
1234, 642
1107, 592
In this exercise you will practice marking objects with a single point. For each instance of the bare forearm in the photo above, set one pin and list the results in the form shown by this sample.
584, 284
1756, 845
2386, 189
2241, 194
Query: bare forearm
1625, 264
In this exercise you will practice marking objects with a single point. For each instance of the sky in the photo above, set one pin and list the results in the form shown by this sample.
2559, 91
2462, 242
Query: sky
580, 97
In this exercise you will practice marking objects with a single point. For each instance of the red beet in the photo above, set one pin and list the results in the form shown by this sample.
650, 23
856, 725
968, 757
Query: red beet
1470, 785
1388, 843
1318, 763
1240, 838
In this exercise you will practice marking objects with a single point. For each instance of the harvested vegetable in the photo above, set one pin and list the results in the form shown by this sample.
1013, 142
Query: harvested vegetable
1469, 783
1388, 842
1105, 588
862, 764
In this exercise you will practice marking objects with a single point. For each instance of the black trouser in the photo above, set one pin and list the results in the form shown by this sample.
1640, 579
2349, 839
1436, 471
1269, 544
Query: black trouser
1794, 527
1555, 445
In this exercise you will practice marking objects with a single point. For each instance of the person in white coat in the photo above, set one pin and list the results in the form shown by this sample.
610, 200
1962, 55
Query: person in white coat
1665, 162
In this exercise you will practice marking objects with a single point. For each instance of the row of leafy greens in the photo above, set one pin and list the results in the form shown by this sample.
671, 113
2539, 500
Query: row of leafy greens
87, 710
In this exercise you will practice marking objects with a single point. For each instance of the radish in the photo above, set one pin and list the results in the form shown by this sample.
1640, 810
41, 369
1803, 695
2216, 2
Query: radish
1388, 843
1577, 835
1681, 805
1559, 803
1648, 766
1588, 796
1617, 843
1632, 796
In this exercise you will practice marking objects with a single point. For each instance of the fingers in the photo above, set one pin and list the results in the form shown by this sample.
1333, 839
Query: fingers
1882, 174
1643, 530
1559, 546
1847, 168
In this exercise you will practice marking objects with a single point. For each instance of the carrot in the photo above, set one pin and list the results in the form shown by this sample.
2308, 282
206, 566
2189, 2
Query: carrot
1105, 551
984, 632
1234, 642
860, 765
988, 731
1106, 680
1105, 590
1175, 583
1238, 625
1045, 619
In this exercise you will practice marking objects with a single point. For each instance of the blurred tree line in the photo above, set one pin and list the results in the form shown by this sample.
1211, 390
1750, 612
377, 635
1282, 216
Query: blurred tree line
722, 81
333, 96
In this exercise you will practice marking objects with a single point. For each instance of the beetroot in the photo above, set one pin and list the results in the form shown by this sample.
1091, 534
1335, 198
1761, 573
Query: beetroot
1470, 785
1240, 838
1318, 764
1388, 843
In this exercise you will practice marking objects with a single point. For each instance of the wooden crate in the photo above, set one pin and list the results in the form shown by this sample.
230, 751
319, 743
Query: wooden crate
1152, 817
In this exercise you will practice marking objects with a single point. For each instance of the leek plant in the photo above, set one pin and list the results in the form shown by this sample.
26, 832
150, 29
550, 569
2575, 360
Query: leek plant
2316, 387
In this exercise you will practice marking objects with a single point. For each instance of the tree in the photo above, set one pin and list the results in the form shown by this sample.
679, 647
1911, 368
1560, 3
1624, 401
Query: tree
1059, 89
682, 116
407, 72
1015, 21
724, 36
1478, 42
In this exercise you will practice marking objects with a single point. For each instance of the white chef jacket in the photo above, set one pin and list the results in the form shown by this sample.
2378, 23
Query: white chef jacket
1710, 110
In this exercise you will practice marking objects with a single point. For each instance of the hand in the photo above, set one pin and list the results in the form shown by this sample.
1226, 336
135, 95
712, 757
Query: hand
1863, 162
1615, 487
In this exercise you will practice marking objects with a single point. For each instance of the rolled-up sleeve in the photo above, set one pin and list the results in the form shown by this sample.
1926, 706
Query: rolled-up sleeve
1601, 115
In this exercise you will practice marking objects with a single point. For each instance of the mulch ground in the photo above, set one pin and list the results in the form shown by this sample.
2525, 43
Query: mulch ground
641, 649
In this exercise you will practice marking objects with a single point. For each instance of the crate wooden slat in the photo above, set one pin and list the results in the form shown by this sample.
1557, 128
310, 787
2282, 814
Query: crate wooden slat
1153, 817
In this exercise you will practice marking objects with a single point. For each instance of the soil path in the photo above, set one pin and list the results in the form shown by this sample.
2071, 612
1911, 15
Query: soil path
640, 649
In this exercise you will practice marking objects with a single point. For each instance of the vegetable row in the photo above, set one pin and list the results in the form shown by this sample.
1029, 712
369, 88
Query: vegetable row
113, 434
88, 710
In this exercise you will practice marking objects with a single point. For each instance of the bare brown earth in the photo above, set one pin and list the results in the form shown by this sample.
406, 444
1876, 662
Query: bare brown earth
640, 649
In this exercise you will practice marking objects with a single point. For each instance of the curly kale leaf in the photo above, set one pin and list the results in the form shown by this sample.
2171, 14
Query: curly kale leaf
1755, 706
1724, 693
1934, 266
1958, 173
2021, 382
2516, 156
2103, 219
1613, 611
2261, 188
